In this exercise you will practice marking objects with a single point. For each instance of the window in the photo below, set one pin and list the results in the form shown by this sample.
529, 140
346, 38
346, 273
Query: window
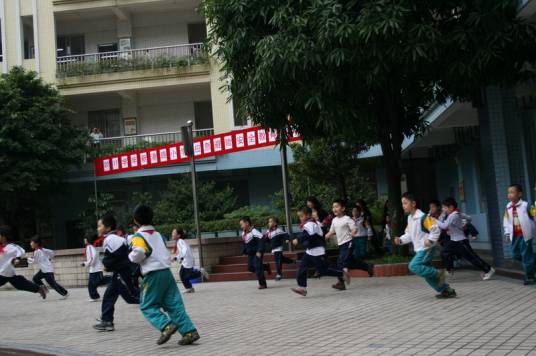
107, 47
203, 115
28, 37
70, 45
107, 121
197, 32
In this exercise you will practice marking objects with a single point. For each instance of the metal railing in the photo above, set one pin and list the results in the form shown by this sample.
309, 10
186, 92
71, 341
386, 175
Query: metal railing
112, 145
135, 59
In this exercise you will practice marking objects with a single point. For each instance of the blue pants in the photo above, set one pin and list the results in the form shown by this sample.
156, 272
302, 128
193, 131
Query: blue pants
360, 247
121, 285
256, 265
20, 283
96, 280
51, 280
321, 265
279, 260
522, 252
421, 265
161, 303
186, 274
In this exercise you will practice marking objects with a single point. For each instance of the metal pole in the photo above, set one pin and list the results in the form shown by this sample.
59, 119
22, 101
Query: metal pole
286, 196
95, 191
194, 195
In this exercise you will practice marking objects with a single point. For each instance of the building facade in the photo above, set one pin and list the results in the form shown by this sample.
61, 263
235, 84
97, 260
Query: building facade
136, 70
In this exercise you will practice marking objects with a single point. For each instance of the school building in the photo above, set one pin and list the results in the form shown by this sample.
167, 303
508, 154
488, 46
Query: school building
473, 154
137, 70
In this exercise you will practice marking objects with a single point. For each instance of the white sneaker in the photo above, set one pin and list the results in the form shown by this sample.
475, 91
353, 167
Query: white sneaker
91, 300
205, 274
63, 297
487, 276
188, 291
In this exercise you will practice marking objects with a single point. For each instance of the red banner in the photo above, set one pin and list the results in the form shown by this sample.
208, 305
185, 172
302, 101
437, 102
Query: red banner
208, 146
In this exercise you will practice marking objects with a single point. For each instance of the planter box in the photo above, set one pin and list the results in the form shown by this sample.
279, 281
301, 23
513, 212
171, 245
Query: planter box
389, 270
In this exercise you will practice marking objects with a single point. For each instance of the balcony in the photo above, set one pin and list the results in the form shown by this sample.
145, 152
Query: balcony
178, 56
114, 145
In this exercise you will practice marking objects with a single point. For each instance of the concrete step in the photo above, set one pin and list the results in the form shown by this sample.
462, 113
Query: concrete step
241, 267
233, 260
245, 276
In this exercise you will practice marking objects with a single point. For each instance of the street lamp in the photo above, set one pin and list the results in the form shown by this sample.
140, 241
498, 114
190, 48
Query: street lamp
188, 141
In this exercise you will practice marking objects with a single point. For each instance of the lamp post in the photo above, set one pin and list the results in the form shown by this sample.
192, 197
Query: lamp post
188, 140
286, 197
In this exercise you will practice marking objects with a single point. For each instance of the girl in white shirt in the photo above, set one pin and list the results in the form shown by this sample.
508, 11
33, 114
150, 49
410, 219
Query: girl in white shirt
94, 264
186, 258
42, 257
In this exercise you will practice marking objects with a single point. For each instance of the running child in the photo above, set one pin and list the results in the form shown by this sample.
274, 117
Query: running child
519, 230
161, 303
42, 257
423, 233
115, 260
312, 238
10, 254
277, 237
93, 263
186, 258
458, 245
363, 234
254, 249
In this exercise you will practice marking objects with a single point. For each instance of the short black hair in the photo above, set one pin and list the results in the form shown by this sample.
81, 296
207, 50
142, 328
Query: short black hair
315, 202
518, 187
435, 202
341, 202
450, 201
37, 239
274, 218
180, 231
108, 220
306, 210
245, 219
143, 214
7, 232
409, 197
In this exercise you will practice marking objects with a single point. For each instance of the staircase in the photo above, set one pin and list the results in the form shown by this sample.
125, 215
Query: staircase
235, 268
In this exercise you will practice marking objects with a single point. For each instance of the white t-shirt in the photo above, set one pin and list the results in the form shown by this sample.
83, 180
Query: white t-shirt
343, 227
92, 259
184, 252
11, 251
42, 257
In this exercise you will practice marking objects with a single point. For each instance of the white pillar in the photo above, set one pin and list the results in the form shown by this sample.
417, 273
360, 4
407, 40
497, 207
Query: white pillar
18, 27
4, 37
35, 35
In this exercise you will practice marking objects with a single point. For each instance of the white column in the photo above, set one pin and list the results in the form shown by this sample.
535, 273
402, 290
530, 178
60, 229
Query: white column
35, 35
18, 26
4, 37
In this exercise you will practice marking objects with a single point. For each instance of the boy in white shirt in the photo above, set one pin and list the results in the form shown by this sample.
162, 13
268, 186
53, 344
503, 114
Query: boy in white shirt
42, 257
160, 300
186, 258
9, 255
94, 264
423, 233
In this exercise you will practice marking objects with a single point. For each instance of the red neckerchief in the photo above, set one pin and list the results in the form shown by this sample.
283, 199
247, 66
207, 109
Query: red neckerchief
1, 248
267, 233
85, 250
37, 249
98, 241
245, 233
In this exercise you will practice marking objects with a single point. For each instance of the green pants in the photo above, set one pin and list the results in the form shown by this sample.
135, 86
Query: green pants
161, 303
522, 252
421, 265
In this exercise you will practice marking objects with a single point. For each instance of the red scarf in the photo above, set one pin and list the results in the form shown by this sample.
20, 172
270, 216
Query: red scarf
98, 241
1, 248
245, 233
308, 220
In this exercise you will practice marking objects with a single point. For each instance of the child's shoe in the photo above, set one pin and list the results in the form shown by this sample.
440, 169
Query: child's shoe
529, 282
339, 285
487, 276
63, 297
205, 274
43, 292
447, 293
168, 331
300, 291
262, 286
189, 290
189, 338
91, 300
278, 277
104, 326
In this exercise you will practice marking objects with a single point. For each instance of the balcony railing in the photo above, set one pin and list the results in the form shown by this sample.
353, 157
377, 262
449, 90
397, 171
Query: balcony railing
114, 145
135, 59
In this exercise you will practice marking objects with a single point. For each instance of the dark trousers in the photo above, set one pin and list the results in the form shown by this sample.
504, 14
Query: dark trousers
120, 285
321, 265
256, 265
187, 274
279, 260
462, 249
20, 283
357, 251
51, 280
96, 280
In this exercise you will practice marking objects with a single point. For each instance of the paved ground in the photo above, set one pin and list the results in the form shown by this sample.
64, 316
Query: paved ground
382, 316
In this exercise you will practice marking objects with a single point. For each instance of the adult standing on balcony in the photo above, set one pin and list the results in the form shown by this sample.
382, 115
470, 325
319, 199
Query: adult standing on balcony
96, 135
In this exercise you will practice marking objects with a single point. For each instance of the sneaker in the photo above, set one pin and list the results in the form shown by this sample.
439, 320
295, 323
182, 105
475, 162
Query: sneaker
91, 300
339, 286
262, 287
278, 277
43, 292
205, 274
371, 270
300, 291
104, 326
346, 276
529, 282
63, 297
447, 293
168, 331
487, 276
189, 338
190, 290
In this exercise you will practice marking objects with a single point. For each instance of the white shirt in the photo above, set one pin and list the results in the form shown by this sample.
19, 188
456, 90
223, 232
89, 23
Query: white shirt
184, 253
43, 258
250, 235
11, 251
159, 257
414, 231
92, 259
113, 242
343, 227
525, 214
312, 228
454, 226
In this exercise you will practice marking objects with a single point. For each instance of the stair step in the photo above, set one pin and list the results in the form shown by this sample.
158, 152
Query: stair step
245, 276
241, 267
233, 260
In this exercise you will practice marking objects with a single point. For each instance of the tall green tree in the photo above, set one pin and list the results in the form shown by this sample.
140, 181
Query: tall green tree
38, 146
369, 67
